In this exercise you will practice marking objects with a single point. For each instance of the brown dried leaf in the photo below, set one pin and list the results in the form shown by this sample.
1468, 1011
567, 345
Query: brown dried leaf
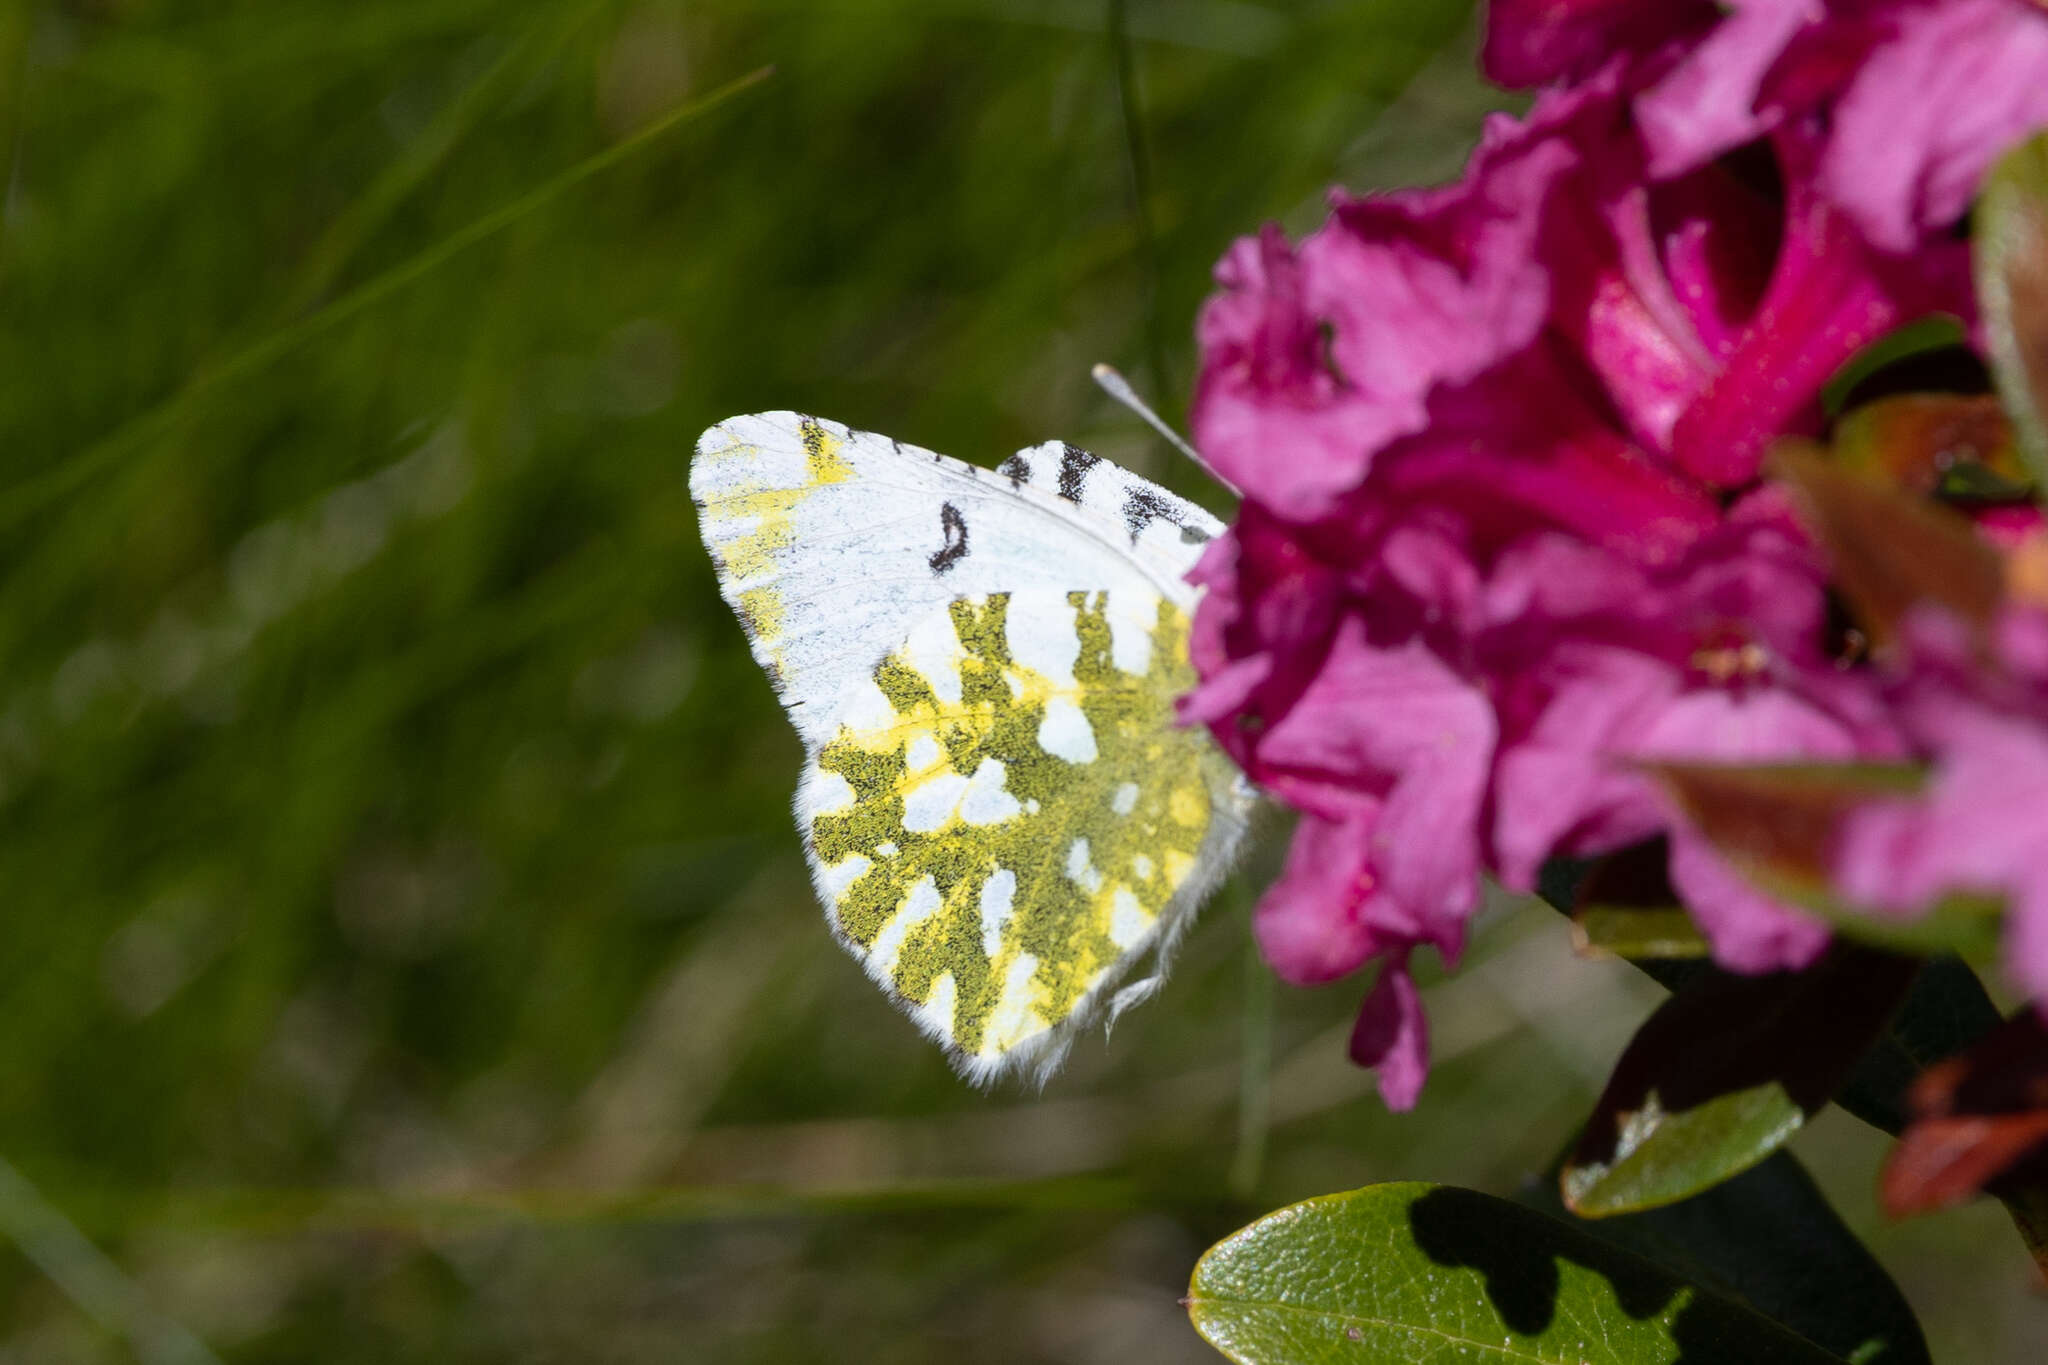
1890, 549
1954, 445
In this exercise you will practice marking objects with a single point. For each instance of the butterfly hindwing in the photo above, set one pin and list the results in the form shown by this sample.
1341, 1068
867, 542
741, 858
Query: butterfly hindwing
1001, 816
1006, 817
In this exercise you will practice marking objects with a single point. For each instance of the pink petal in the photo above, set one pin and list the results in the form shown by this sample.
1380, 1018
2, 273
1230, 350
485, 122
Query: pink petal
1266, 386
1748, 930
1565, 786
1533, 42
1710, 102
1327, 914
1392, 1035
1929, 110
1397, 722
1828, 298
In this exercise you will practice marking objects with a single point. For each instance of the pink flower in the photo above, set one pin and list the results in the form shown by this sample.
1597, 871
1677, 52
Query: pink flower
1483, 568
1554, 282
1930, 108
1292, 361
1536, 42
1718, 659
1977, 828
1917, 97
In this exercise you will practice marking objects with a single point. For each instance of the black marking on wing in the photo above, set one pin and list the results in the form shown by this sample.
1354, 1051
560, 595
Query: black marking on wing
813, 436
954, 527
1074, 466
1016, 469
1143, 506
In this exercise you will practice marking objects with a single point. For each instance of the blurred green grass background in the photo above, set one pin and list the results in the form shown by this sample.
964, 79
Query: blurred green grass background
408, 955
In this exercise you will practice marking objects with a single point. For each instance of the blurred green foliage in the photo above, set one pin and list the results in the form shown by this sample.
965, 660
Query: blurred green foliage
408, 956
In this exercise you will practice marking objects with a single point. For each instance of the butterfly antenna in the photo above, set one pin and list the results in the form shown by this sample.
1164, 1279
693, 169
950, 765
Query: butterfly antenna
1119, 388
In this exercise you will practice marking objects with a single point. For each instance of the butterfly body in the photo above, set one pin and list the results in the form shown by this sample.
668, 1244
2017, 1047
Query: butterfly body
1001, 816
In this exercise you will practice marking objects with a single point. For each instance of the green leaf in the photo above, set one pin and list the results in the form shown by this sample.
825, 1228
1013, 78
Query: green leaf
2011, 242
1624, 906
1425, 1272
1723, 1074
1630, 931
1769, 1239
1946, 1011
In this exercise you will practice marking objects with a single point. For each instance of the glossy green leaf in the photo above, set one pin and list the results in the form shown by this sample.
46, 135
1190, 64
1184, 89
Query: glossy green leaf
1723, 1074
1770, 1240
1414, 1272
2011, 242
1660, 1156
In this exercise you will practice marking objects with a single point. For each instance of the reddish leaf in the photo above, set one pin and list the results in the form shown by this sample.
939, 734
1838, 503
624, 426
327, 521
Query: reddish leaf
1981, 1122
1942, 1162
1779, 819
1776, 824
1890, 549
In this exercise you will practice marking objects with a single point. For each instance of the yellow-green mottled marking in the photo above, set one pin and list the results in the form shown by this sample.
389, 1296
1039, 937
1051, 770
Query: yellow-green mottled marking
1061, 923
752, 552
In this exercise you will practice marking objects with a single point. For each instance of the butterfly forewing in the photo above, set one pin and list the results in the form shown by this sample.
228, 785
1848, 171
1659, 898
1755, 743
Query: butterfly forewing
1001, 816
831, 542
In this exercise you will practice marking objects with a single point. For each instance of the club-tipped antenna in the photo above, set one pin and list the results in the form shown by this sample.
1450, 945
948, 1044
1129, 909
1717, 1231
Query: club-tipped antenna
1119, 388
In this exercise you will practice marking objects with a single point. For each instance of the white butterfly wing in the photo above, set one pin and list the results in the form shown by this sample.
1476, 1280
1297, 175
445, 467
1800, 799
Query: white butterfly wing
830, 542
1001, 816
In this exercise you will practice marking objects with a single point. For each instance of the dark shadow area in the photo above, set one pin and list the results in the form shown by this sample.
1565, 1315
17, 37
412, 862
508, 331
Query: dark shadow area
1518, 1256
1802, 1031
1769, 1239
1944, 1010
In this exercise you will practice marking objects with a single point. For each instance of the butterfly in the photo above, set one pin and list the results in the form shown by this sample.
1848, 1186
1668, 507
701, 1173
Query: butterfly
1001, 817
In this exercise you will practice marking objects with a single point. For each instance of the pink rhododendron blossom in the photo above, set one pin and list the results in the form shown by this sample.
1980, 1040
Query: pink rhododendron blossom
1536, 42
1916, 97
1292, 359
1488, 565
1929, 109
1718, 658
1977, 826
